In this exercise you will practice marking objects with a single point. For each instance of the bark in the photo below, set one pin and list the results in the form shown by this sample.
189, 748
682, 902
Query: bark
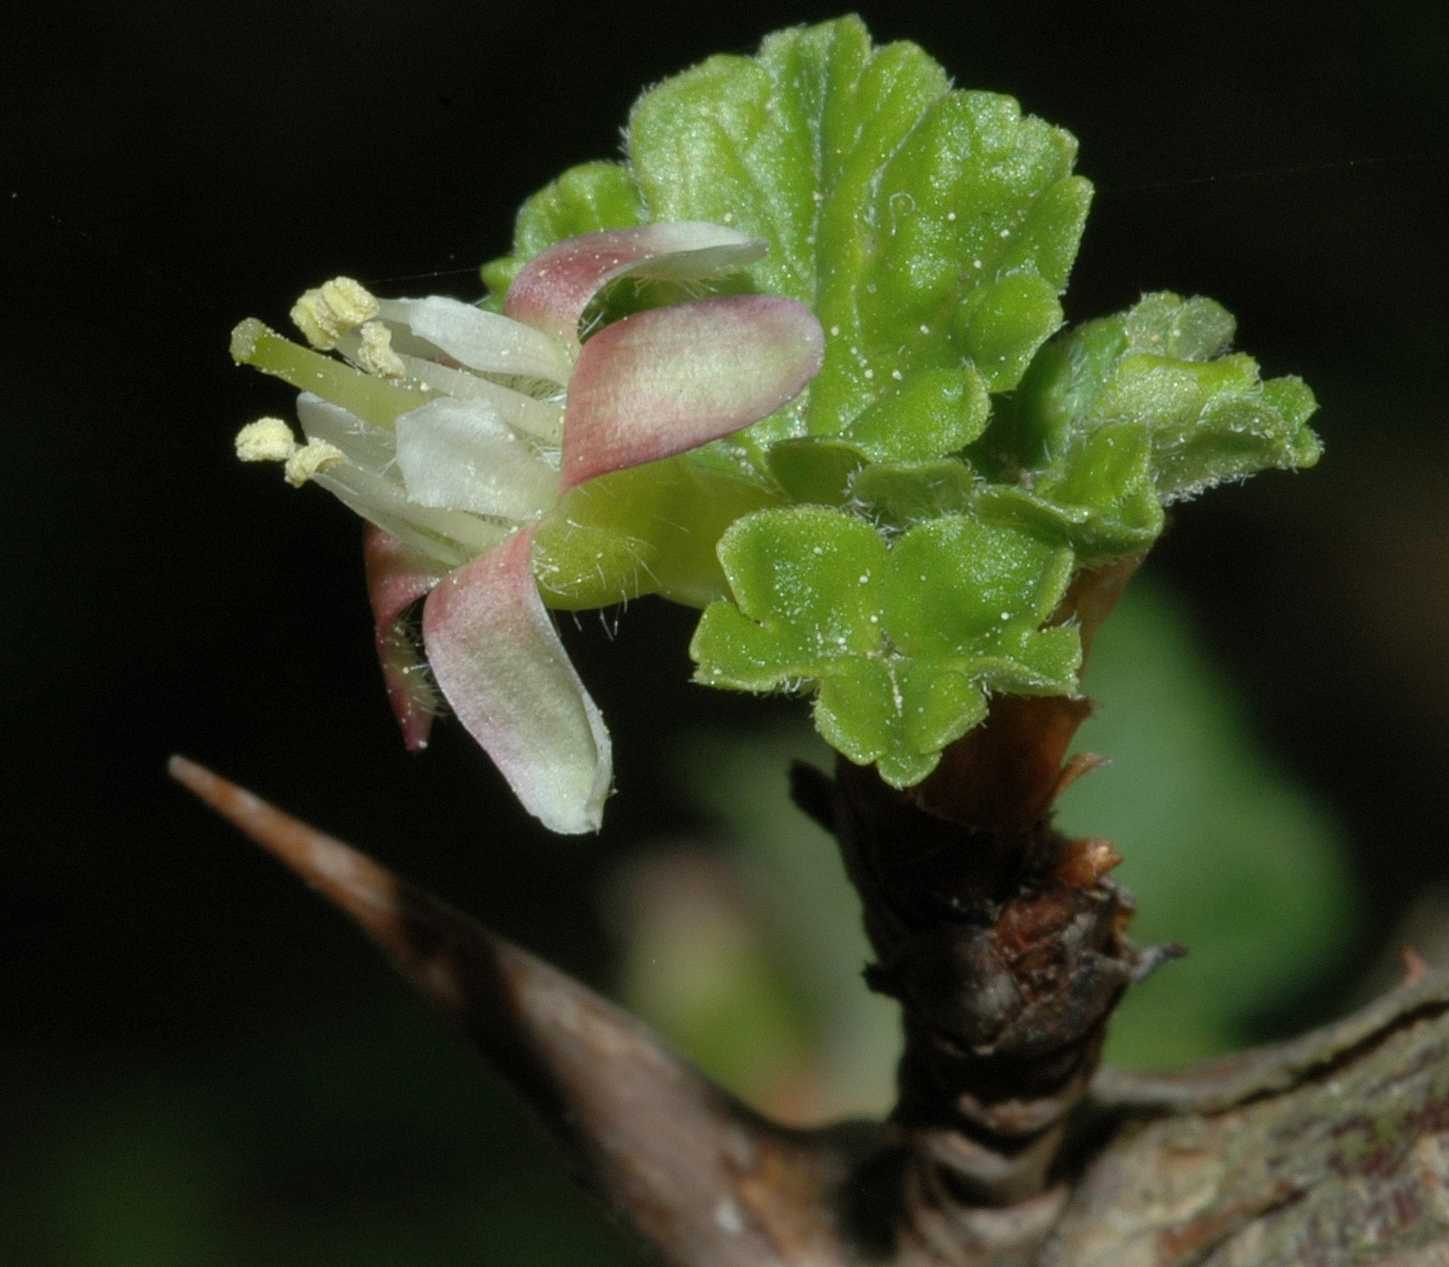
1330, 1149
1006, 944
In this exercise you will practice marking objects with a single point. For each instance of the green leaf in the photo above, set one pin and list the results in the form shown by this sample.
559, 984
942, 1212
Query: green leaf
901, 642
892, 448
1224, 851
1101, 498
816, 470
899, 494
1208, 422
899, 715
1037, 426
1129, 413
1004, 323
889, 202
935, 412
1196, 329
805, 581
958, 586
927, 228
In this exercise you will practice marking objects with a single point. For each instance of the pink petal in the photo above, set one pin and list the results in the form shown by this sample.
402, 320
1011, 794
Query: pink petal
396, 578
670, 379
500, 664
553, 290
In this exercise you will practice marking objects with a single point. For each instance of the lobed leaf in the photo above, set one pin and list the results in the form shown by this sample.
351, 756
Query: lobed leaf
902, 641
1126, 414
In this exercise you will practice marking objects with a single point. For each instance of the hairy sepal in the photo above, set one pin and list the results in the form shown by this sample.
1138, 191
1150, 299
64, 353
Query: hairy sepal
498, 661
553, 290
396, 579
672, 379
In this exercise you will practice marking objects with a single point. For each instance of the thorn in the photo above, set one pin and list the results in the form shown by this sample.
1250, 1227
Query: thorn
416, 931
656, 1139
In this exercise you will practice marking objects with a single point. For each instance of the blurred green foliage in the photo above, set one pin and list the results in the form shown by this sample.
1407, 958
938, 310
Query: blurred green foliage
1223, 851
802, 912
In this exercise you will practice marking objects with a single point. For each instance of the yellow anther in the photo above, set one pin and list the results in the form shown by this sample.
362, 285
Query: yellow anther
331, 309
265, 440
376, 355
308, 459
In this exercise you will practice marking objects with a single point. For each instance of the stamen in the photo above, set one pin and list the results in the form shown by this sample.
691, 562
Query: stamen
308, 459
375, 355
265, 440
332, 309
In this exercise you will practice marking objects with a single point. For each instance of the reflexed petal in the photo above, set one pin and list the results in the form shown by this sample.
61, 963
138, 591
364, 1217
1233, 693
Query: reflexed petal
553, 290
480, 340
396, 578
500, 664
459, 455
670, 379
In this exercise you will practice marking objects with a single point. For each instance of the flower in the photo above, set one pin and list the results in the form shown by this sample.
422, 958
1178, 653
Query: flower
519, 411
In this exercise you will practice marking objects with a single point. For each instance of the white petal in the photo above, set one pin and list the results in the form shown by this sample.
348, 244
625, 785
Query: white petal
449, 536
369, 484
460, 455
481, 340
542, 419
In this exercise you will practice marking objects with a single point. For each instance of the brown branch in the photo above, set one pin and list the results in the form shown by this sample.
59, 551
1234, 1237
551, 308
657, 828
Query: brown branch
1006, 950
1002, 939
1331, 1149
701, 1178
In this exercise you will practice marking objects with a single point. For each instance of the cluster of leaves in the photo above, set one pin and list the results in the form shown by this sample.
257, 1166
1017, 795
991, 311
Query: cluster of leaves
960, 456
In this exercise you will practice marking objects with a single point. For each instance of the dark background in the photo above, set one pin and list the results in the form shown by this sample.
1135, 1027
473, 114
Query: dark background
199, 1064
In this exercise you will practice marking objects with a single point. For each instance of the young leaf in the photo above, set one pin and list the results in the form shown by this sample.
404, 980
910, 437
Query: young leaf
928, 228
902, 641
1126, 414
